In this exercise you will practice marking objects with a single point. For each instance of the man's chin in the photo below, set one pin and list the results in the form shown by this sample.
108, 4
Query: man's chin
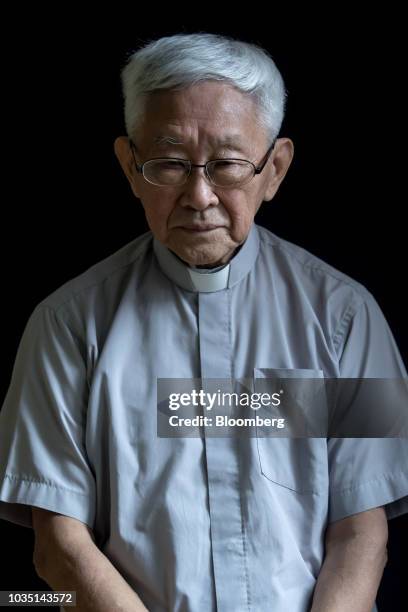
210, 256
201, 248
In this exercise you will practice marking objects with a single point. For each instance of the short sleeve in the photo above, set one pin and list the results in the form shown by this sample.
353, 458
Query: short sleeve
366, 473
43, 460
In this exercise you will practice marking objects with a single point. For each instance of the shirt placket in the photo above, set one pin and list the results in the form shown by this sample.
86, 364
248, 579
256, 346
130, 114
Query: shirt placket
228, 541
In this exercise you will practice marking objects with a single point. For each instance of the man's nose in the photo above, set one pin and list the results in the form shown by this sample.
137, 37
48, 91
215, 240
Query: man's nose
198, 192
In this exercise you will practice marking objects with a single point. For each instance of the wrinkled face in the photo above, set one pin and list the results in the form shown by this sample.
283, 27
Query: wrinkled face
201, 223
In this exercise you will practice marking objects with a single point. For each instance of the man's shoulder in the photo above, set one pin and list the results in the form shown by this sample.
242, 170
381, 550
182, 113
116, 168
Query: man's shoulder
110, 270
306, 266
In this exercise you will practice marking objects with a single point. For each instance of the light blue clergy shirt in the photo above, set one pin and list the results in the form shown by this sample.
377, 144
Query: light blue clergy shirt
205, 523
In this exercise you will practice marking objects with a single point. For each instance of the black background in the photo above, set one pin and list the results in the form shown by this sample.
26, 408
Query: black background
66, 204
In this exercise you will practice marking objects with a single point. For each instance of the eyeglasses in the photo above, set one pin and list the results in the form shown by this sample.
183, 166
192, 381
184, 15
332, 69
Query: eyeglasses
170, 171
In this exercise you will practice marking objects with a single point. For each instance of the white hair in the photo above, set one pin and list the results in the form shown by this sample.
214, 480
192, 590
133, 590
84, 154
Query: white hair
179, 61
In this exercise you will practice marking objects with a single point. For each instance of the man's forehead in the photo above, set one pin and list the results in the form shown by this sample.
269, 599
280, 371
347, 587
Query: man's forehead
197, 117
226, 110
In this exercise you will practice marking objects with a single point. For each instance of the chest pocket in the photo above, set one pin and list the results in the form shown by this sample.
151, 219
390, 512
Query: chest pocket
292, 457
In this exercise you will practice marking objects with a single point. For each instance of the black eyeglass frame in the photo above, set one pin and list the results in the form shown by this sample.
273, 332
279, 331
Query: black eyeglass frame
257, 169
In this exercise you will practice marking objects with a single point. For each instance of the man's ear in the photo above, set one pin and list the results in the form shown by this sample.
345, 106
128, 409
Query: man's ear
125, 158
279, 163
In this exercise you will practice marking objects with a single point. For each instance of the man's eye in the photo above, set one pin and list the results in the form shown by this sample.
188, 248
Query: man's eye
171, 165
224, 164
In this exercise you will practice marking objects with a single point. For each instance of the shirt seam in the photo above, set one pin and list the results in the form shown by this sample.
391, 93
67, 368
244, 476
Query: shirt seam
73, 296
345, 320
229, 298
37, 481
318, 268
348, 314
61, 318
385, 475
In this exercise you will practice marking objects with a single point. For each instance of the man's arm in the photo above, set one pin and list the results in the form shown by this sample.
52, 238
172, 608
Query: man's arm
356, 554
67, 558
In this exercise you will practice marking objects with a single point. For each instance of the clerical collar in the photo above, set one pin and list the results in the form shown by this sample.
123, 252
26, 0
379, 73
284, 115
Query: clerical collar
209, 280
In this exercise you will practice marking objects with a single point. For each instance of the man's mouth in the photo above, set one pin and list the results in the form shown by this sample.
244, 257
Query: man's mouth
199, 228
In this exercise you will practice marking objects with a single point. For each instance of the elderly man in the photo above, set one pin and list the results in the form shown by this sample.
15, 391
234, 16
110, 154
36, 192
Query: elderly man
134, 521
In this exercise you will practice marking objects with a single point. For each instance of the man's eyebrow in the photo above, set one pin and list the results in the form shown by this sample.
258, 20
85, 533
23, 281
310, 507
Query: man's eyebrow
231, 143
159, 140
233, 148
